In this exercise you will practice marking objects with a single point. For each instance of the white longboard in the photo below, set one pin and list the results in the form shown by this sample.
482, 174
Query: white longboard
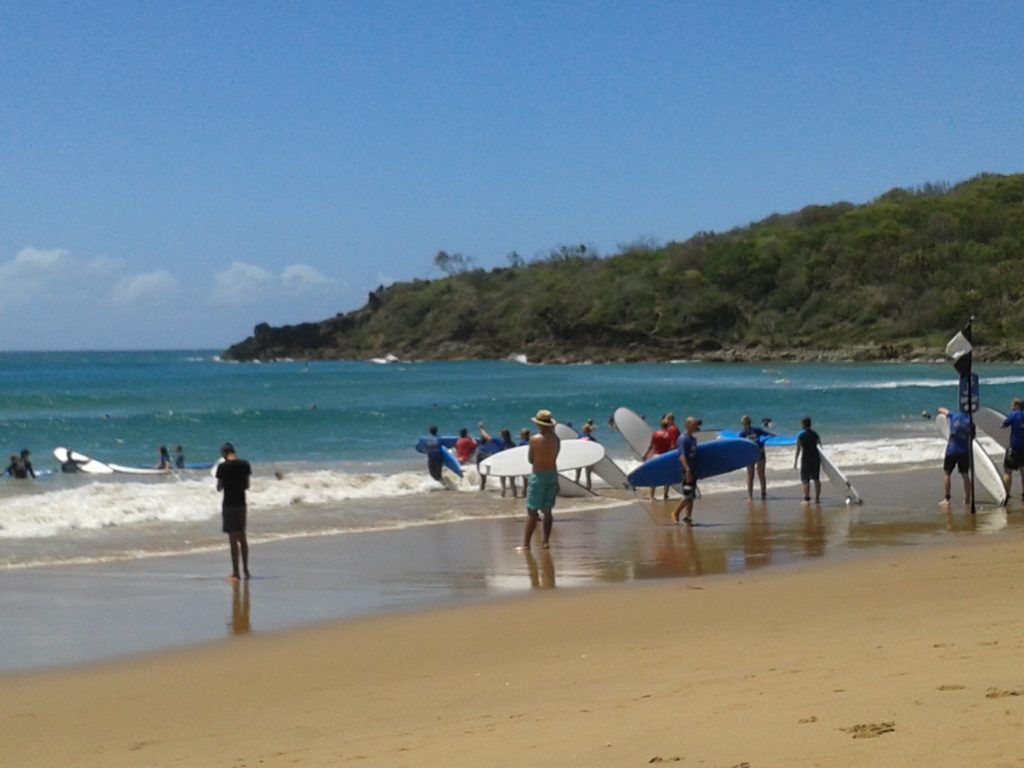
985, 471
634, 430
606, 468
85, 463
836, 476
514, 462
990, 421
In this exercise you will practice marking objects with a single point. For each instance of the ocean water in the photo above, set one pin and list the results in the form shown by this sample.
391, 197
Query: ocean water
332, 442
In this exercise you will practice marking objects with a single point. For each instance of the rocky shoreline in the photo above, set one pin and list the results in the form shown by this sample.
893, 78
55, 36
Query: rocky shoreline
554, 354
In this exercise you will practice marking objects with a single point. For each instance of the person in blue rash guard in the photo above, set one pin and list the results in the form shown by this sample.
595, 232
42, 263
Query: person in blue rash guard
432, 447
957, 453
1014, 458
755, 435
687, 452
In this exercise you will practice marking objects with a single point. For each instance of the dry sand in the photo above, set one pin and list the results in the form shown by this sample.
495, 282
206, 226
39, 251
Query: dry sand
910, 656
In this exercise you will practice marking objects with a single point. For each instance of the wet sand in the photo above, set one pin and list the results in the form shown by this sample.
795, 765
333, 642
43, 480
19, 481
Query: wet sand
886, 634
60, 616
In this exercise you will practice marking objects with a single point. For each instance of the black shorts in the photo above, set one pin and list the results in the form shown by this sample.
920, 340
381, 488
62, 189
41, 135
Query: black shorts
810, 472
1013, 460
233, 519
959, 462
689, 490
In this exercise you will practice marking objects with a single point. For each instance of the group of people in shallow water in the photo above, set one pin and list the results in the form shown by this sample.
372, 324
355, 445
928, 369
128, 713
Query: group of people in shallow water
469, 450
668, 436
20, 465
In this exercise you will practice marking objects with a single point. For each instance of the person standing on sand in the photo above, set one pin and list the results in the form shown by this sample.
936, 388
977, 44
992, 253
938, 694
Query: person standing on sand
1014, 458
661, 442
542, 488
673, 431
958, 453
687, 453
755, 435
807, 443
233, 480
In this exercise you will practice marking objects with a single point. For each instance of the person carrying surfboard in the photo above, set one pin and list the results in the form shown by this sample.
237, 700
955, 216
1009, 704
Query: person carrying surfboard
542, 487
807, 443
661, 442
755, 435
958, 453
687, 451
1014, 458
432, 447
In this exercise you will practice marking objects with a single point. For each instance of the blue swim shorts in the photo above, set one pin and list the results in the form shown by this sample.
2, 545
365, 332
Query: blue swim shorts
542, 490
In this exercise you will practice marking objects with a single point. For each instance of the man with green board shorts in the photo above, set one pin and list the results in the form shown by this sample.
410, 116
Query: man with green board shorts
542, 487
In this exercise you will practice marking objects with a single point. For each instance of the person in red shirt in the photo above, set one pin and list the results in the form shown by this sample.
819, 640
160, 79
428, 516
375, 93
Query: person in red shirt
673, 431
661, 442
464, 446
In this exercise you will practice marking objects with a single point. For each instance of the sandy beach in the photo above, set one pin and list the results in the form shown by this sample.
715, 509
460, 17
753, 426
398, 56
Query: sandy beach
906, 654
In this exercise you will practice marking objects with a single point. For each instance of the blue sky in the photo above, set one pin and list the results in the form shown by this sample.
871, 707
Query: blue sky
172, 173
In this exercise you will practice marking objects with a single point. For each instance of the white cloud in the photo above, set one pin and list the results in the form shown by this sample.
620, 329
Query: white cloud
245, 283
241, 283
299, 277
146, 287
32, 271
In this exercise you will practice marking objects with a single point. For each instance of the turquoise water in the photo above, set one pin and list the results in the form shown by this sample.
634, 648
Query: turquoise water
331, 442
120, 406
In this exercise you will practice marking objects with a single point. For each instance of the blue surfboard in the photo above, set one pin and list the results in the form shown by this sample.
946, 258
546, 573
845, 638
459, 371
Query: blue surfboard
449, 460
762, 439
715, 457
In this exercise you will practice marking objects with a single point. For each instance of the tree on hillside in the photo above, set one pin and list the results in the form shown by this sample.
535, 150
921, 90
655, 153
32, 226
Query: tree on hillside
452, 263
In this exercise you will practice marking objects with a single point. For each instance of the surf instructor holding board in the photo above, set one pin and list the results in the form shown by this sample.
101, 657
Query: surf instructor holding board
542, 487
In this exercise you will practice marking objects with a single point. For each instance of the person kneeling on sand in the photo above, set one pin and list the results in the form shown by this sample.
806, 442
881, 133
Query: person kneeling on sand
542, 487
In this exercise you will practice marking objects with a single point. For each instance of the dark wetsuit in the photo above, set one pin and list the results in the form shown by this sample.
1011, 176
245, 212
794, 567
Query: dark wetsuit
233, 477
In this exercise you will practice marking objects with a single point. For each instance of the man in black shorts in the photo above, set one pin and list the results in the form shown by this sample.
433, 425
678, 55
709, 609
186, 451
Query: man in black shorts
233, 480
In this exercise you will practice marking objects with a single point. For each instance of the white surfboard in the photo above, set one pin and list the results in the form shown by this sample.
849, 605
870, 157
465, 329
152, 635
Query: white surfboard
571, 489
514, 462
985, 471
836, 476
634, 430
606, 468
121, 469
85, 463
990, 421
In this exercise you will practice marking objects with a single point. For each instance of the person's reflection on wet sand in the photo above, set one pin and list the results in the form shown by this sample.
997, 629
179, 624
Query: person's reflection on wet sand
239, 623
812, 538
543, 576
757, 545
676, 555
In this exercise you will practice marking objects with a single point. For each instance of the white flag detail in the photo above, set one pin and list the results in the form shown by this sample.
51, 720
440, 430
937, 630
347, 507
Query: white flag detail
958, 346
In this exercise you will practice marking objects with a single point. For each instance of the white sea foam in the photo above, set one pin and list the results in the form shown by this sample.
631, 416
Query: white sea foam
119, 503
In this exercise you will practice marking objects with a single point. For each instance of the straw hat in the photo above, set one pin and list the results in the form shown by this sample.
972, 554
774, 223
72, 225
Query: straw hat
543, 418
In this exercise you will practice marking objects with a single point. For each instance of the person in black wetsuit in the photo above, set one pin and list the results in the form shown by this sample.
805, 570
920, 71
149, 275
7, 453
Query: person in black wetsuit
233, 480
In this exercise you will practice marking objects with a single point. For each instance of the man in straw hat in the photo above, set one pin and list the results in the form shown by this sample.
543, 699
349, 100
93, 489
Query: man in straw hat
542, 487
